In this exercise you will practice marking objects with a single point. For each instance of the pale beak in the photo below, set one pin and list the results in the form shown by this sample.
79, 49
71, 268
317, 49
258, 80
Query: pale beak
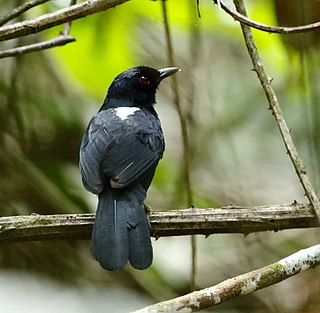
166, 72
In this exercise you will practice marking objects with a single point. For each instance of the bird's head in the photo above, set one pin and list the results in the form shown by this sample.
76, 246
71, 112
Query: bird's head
136, 87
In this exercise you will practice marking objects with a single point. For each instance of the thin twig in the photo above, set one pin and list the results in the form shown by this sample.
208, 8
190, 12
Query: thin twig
56, 18
185, 138
19, 10
267, 28
189, 104
177, 103
277, 112
230, 219
240, 285
67, 26
60, 40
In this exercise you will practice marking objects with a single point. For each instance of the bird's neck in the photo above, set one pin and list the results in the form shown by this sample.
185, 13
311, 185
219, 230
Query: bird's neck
117, 103
110, 103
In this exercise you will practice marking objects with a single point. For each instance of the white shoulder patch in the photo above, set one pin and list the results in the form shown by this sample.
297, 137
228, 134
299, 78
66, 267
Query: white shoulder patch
124, 112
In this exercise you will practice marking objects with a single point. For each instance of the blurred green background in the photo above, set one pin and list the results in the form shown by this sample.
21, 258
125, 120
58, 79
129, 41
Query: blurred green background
237, 156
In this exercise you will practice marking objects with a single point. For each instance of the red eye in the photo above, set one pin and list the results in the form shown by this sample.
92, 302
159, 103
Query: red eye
144, 81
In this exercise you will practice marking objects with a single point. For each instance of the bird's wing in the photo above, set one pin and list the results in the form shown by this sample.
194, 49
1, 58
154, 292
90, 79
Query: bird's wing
124, 154
132, 158
92, 146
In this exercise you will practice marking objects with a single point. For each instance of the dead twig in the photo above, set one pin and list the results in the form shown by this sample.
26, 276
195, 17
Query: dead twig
238, 16
60, 40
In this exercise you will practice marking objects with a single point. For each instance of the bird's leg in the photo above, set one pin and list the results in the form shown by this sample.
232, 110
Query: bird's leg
147, 210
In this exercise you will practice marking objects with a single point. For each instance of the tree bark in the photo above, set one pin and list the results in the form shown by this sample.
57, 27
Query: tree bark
59, 17
230, 219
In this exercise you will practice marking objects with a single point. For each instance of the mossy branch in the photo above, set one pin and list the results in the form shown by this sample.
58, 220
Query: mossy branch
230, 219
240, 285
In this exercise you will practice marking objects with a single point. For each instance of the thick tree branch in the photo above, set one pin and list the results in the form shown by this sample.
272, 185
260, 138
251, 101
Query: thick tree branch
267, 28
231, 219
274, 105
240, 285
56, 18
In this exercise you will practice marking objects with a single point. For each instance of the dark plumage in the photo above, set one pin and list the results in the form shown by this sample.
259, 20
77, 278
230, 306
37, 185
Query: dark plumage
118, 157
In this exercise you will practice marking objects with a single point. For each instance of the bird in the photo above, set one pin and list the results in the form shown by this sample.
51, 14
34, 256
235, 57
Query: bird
118, 156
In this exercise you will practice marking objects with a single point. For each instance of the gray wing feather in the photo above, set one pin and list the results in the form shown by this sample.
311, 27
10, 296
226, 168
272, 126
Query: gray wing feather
123, 155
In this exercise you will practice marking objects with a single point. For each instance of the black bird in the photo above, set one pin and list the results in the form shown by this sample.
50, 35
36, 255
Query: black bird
119, 154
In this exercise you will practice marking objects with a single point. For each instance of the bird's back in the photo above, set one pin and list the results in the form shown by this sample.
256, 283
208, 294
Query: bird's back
120, 147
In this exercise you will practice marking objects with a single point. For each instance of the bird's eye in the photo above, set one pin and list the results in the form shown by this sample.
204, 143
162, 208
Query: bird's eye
144, 81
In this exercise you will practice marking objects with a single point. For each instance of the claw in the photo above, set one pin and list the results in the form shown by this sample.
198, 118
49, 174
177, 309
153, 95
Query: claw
147, 209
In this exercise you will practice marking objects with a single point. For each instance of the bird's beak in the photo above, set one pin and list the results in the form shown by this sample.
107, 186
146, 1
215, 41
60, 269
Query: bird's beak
165, 72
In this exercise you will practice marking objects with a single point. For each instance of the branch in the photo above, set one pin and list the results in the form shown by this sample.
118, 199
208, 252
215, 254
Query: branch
59, 17
230, 219
60, 40
277, 112
241, 285
19, 10
266, 28
67, 26
185, 169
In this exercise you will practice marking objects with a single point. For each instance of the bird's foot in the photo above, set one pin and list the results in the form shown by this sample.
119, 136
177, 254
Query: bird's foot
147, 209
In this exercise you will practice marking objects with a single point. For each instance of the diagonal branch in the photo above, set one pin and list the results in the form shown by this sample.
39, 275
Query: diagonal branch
230, 219
56, 18
19, 10
267, 28
240, 285
277, 112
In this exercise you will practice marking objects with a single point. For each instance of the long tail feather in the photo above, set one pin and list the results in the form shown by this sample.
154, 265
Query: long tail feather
109, 243
140, 248
121, 229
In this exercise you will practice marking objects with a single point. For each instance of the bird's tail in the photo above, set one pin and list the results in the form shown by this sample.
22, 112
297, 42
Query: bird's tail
121, 229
